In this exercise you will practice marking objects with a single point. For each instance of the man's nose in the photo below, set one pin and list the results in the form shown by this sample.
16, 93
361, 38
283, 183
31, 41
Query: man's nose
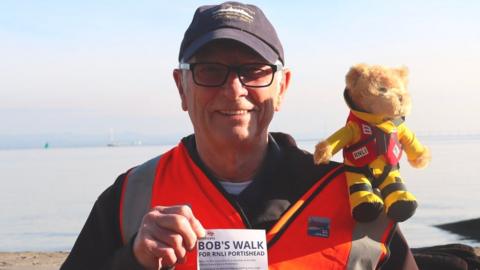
233, 87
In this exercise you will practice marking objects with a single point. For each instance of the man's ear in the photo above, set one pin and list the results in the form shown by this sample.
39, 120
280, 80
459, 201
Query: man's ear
178, 77
283, 87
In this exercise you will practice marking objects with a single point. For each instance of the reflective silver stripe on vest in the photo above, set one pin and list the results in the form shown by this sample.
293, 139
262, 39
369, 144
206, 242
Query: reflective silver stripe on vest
137, 197
367, 244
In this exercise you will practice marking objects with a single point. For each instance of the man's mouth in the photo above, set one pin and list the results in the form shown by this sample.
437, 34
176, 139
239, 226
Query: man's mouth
234, 112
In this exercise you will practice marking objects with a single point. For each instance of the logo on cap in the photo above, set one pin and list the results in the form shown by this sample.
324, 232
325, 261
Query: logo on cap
234, 13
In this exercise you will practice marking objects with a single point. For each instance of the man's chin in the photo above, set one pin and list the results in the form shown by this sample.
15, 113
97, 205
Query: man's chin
236, 135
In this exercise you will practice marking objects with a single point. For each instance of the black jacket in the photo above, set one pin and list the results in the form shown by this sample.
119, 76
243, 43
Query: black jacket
286, 174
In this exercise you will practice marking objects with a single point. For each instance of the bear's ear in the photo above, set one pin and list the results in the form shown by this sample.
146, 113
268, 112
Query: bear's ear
354, 73
403, 73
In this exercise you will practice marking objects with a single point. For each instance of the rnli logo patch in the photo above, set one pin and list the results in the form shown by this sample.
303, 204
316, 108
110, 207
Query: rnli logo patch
360, 153
319, 227
366, 129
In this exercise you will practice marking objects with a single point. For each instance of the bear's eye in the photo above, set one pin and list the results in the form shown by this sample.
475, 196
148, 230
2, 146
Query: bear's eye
382, 90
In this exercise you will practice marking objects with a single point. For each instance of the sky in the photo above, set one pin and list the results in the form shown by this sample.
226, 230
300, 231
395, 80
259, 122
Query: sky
83, 68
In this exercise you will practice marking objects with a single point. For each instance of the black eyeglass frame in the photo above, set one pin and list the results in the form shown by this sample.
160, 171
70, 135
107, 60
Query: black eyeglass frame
191, 67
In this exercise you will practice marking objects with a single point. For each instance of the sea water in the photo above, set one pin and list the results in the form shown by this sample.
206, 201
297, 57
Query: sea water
47, 194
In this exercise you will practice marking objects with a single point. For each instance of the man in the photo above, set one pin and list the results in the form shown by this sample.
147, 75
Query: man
233, 173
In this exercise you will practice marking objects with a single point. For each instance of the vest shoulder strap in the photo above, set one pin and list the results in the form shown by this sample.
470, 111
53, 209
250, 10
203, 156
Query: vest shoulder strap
374, 237
136, 197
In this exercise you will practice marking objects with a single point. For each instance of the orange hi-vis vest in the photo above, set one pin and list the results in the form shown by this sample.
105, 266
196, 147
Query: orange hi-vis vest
316, 232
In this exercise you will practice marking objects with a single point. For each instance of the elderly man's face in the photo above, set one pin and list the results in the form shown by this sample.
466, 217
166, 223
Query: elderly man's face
232, 112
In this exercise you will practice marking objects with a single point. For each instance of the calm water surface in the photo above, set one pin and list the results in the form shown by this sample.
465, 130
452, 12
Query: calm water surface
46, 195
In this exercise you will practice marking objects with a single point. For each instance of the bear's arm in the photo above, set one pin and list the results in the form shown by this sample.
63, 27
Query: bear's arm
412, 146
343, 137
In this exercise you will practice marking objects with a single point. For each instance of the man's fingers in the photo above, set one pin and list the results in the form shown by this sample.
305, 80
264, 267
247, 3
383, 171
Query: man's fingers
153, 254
198, 228
171, 239
164, 253
172, 208
165, 235
185, 211
179, 225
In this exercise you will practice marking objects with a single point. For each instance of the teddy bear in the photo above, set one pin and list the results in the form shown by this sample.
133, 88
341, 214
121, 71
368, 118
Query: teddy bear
373, 140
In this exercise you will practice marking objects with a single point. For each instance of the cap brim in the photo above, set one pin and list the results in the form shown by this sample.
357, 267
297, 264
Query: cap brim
243, 37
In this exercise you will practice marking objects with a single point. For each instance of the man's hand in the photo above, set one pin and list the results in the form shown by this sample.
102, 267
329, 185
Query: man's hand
165, 236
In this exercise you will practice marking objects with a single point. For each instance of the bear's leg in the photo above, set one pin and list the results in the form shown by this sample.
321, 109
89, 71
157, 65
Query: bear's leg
365, 204
400, 204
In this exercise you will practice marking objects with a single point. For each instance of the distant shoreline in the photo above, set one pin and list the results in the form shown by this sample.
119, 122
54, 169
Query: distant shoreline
45, 260
59, 141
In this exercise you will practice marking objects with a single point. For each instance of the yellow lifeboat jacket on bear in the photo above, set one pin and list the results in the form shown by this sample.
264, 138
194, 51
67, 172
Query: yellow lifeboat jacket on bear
352, 132
315, 232
373, 142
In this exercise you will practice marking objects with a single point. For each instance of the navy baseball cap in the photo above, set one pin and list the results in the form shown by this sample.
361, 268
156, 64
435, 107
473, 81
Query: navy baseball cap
236, 21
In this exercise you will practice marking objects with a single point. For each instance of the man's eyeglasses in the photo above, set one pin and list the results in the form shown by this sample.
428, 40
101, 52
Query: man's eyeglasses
216, 74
